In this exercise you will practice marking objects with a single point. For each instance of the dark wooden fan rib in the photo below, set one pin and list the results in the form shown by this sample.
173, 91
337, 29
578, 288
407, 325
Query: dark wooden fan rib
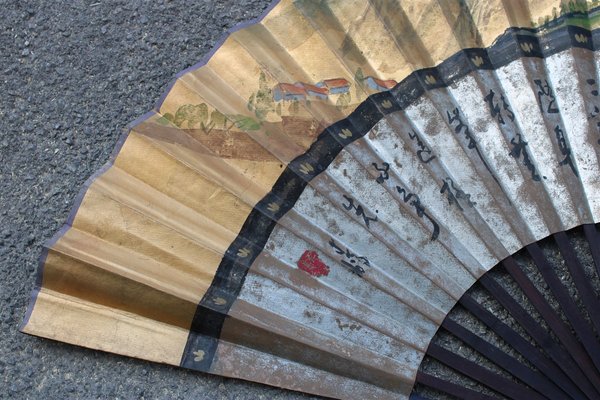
451, 388
563, 364
572, 312
591, 234
539, 303
486, 377
552, 368
543, 338
530, 377
582, 284
415, 396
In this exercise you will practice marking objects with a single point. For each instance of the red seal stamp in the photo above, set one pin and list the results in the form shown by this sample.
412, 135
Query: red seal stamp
310, 263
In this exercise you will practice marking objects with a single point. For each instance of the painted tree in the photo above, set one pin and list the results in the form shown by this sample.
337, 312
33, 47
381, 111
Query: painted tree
217, 118
250, 103
343, 101
261, 102
359, 80
573, 6
294, 107
191, 115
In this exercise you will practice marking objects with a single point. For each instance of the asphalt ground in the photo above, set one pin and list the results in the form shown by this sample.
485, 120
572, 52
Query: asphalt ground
73, 75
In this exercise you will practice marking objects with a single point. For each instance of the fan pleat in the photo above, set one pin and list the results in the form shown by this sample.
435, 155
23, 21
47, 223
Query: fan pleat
457, 230
375, 313
477, 273
379, 351
246, 363
551, 196
401, 262
411, 286
572, 97
325, 189
443, 108
107, 326
428, 175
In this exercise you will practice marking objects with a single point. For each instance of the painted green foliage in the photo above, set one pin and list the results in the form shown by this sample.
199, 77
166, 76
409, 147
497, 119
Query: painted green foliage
294, 107
570, 7
195, 116
574, 6
343, 101
191, 115
165, 119
218, 119
244, 123
359, 79
261, 102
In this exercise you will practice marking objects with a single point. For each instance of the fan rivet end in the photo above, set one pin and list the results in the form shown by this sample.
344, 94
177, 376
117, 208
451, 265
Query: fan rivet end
345, 133
386, 104
306, 168
273, 207
430, 79
477, 60
243, 253
219, 301
199, 355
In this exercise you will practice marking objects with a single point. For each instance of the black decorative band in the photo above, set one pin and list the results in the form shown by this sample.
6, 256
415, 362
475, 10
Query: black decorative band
515, 43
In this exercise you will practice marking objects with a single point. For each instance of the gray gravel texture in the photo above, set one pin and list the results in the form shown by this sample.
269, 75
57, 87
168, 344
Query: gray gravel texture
73, 75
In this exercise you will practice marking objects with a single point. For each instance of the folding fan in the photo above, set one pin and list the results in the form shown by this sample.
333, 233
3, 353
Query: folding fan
320, 206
